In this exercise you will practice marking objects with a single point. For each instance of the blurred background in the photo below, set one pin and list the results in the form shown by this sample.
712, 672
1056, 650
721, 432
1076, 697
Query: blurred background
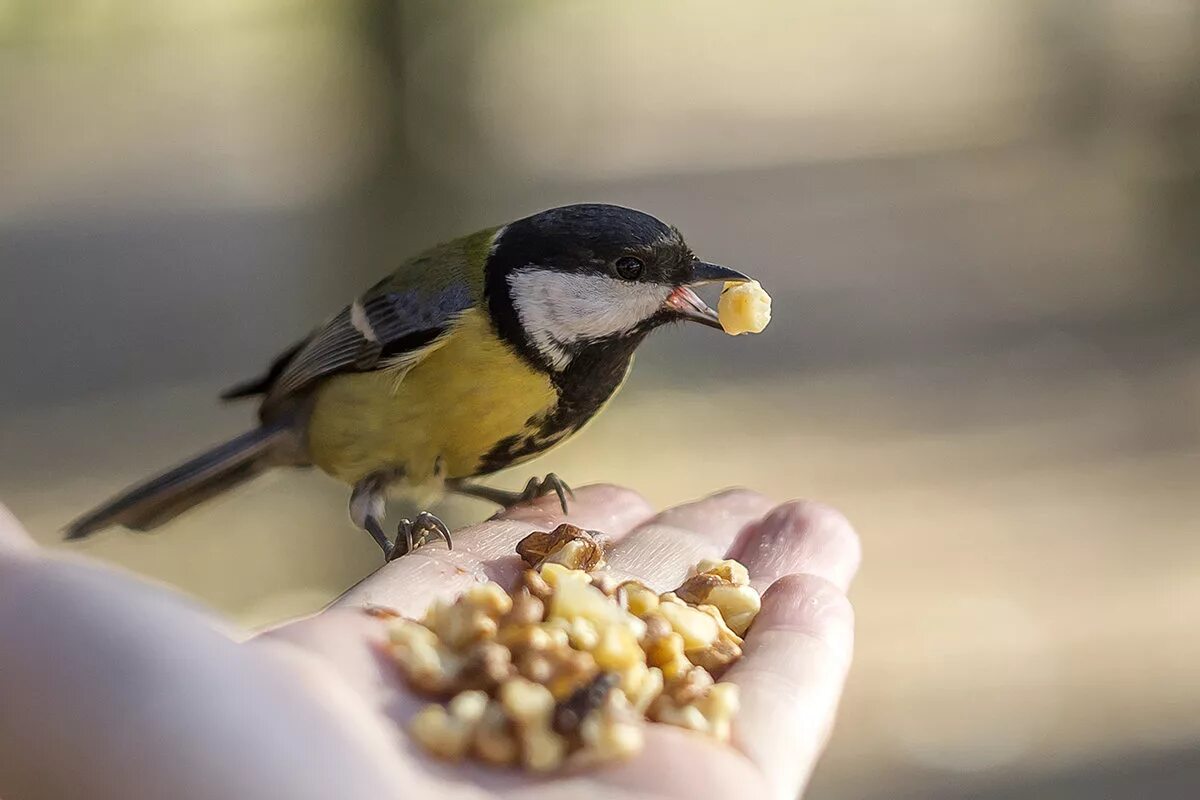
980, 222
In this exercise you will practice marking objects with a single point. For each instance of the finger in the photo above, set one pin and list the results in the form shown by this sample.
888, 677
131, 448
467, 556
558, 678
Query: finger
718, 518
790, 677
798, 651
487, 551
13, 538
800, 536
661, 552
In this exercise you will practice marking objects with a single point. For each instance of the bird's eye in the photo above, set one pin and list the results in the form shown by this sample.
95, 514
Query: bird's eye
629, 268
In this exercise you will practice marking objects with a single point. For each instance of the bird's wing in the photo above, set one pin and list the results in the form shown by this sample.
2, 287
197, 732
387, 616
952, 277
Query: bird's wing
390, 327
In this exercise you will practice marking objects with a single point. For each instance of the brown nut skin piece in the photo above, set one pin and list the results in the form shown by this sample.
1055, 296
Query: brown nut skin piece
586, 552
715, 658
573, 669
695, 590
736, 604
570, 713
561, 670
733, 571
486, 666
534, 548
723, 629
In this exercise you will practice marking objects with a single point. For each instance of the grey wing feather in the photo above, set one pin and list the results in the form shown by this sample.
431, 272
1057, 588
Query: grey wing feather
382, 330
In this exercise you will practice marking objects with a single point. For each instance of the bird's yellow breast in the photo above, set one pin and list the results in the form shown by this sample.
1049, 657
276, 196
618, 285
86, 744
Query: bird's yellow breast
453, 406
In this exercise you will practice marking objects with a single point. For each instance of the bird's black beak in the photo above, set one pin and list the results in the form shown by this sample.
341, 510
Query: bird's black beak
686, 304
704, 272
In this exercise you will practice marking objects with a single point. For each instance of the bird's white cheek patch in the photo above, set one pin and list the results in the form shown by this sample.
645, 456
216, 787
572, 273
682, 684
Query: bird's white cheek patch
558, 309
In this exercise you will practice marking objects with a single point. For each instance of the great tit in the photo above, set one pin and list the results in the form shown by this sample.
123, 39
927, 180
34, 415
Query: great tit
472, 357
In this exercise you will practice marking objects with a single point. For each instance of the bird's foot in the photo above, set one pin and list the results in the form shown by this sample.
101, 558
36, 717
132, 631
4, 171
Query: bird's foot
535, 488
411, 534
540, 487
367, 507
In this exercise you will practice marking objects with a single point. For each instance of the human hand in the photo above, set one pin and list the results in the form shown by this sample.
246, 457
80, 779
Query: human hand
115, 688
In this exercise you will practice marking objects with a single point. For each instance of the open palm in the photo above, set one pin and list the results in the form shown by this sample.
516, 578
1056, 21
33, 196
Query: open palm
116, 688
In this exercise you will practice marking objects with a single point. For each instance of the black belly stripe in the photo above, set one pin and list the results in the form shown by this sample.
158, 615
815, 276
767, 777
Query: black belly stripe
594, 374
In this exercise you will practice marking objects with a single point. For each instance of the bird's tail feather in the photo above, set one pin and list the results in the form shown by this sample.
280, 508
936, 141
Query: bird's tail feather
162, 498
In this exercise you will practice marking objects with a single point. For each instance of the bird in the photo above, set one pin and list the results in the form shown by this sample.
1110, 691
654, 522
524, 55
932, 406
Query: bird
474, 356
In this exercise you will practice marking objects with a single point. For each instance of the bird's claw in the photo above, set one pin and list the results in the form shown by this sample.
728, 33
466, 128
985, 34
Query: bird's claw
535, 488
411, 534
540, 487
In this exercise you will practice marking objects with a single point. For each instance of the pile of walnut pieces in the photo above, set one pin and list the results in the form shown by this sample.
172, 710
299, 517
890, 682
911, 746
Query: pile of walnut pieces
569, 667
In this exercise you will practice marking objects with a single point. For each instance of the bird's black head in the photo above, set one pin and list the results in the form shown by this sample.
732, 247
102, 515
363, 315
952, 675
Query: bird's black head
592, 276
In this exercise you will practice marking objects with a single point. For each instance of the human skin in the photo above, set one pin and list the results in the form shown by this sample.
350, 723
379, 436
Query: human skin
113, 687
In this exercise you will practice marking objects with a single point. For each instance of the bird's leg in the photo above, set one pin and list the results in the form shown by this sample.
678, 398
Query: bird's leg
424, 529
535, 488
368, 504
